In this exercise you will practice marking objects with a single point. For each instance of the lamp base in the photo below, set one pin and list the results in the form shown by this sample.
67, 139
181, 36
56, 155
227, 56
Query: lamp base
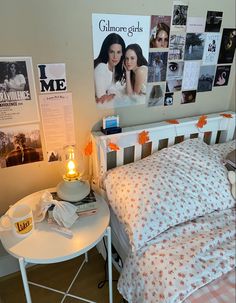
73, 191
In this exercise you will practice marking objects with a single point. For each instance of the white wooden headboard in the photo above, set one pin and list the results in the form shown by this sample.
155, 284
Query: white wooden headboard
162, 134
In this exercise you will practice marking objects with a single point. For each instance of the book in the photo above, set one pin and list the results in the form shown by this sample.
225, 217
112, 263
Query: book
88, 203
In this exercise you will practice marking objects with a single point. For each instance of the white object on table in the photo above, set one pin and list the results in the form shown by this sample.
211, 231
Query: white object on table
45, 246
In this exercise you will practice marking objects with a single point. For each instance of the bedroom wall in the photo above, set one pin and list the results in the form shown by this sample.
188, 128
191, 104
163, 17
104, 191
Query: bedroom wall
59, 31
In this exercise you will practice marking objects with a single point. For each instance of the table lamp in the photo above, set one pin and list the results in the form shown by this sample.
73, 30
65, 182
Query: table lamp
72, 188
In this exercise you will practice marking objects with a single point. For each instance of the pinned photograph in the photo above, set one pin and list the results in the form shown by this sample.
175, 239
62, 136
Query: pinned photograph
227, 47
211, 49
194, 46
173, 85
155, 95
160, 31
175, 70
213, 21
157, 64
207, 74
179, 18
222, 75
169, 99
176, 47
20, 145
188, 96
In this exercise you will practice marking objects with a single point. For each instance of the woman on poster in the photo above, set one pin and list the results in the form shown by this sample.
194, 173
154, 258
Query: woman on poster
136, 69
15, 80
160, 36
108, 68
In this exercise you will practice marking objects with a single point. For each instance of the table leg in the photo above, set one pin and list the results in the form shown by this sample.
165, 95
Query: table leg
109, 263
25, 280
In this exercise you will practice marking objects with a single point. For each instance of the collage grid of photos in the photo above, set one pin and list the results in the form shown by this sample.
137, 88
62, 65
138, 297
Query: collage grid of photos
162, 55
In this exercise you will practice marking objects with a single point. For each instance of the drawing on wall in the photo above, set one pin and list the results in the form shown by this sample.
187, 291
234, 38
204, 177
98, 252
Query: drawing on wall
188, 96
169, 99
194, 46
20, 145
191, 75
179, 15
157, 64
52, 77
227, 47
160, 31
211, 49
176, 47
155, 95
207, 74
213, 21
120, 46
222, 75
18, 103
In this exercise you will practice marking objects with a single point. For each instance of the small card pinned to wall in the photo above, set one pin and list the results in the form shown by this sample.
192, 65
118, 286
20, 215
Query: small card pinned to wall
52, 78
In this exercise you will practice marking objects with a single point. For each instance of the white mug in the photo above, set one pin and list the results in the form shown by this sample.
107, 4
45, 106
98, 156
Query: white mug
19, 218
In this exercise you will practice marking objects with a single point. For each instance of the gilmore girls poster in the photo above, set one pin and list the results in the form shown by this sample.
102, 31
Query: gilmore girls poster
112, 34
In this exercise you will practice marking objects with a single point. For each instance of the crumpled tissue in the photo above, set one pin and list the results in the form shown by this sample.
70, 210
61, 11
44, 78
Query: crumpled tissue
63, 212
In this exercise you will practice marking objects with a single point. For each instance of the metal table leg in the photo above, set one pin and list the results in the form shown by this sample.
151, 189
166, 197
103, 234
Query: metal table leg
25, 280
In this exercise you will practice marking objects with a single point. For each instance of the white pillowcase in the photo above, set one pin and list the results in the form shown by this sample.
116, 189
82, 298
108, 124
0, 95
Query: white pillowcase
169, 187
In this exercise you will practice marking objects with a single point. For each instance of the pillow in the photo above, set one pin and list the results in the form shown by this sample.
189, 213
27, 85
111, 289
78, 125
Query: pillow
169, 187
222, 149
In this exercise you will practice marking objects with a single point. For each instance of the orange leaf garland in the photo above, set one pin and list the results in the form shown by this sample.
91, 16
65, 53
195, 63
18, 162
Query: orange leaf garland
202, 121
173, 121
143, 137
88, 149
226, 115
113, 146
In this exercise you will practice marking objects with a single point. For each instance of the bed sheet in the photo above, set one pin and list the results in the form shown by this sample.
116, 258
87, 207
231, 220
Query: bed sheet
181, 260
222, 290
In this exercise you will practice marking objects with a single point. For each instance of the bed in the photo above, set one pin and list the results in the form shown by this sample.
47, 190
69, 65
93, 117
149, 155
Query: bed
172, 212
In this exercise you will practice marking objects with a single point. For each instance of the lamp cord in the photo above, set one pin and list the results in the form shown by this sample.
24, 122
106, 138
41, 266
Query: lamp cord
103, 282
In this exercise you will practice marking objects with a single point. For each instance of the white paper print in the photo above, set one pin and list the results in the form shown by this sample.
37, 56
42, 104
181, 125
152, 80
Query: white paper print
176, 46
57, 120
113, 85
191, 75
196, 24
18, 102
52, 77
211, 48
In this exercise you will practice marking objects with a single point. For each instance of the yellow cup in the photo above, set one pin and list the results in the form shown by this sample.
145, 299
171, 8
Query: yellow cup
19, 218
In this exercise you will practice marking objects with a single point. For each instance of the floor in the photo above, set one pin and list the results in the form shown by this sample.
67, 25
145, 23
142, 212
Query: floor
59, 276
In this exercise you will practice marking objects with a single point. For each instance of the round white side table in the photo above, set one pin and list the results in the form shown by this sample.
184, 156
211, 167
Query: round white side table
45, 246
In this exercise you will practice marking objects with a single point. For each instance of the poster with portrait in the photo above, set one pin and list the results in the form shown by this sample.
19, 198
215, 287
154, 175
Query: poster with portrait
18, 102
227, 47
206, 77
222, 75
176, 46
20, 145
188, 96
120, 46
211, 48
194, 46
159, 32
155, 94
174, 76
213, 21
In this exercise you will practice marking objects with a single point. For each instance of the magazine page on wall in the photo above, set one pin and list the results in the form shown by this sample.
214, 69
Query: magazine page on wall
18, 103
120, 49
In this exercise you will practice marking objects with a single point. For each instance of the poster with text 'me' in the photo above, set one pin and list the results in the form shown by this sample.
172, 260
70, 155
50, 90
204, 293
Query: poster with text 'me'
112, 34
18, 102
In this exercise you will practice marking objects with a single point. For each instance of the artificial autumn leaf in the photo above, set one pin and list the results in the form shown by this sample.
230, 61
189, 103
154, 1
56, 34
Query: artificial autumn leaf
113, 146
202, 121
226, 115
173, 121
143, 137
88, 149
